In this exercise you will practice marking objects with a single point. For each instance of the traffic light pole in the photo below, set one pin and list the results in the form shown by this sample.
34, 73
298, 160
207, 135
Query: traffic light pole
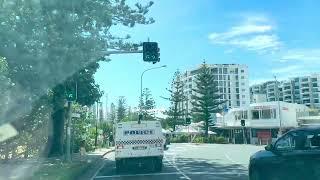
107, 53
68, 138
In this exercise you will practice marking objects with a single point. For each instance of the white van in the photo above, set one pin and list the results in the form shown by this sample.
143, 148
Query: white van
139, 144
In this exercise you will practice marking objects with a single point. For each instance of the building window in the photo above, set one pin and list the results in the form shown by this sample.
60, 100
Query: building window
237, 84
314, 85
236, 71
228, 90
190, 85
242, 77
238, 97
243, 84
242, 71
314, 79
220, 70
220, 77
237, 78
190, 79
243, 96
237, 90
266, 114
243, 103
243, 90
225, 71
214, 70
238, 103
228, 77
255, 114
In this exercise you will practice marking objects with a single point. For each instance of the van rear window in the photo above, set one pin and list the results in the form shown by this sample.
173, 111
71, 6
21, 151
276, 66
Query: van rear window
138, 132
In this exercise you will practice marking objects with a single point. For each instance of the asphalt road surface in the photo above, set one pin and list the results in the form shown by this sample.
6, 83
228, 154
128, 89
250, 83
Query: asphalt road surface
189, 161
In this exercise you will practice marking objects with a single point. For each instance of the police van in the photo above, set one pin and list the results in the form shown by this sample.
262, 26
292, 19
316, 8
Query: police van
139, 144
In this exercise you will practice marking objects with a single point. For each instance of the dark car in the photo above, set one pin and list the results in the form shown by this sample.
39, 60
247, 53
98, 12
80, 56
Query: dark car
294, 156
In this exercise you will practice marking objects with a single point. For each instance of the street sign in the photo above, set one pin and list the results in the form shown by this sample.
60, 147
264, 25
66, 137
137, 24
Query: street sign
75, 115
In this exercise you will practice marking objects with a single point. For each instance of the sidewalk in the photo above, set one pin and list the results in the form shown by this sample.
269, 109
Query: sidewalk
47, 168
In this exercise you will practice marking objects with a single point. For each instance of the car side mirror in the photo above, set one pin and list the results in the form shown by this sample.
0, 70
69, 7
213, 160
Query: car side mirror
269, 147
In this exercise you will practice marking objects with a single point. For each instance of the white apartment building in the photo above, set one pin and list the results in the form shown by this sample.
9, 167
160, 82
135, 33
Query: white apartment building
232, 81
301, 90
262, 121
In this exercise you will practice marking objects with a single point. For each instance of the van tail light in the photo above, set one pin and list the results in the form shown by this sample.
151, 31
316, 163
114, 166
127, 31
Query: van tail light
120, 146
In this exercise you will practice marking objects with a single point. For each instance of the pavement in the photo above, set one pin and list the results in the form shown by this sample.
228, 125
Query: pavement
189, 161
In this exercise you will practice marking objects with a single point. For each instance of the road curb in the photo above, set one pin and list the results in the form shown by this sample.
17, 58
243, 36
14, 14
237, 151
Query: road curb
92, 168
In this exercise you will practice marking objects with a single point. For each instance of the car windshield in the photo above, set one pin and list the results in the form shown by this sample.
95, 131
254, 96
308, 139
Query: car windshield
170, 89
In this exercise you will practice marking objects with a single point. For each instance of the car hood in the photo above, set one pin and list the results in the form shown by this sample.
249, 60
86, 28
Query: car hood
262, 154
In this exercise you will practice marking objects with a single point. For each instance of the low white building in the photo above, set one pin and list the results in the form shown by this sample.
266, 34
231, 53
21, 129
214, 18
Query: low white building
262, 121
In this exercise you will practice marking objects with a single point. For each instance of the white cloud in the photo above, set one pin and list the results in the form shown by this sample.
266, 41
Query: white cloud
304, 55
254, 33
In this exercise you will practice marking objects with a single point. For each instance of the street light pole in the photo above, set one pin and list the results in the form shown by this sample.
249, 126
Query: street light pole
277, 95
141, 78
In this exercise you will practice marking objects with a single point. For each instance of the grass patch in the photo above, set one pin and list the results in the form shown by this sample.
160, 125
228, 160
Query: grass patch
60, 171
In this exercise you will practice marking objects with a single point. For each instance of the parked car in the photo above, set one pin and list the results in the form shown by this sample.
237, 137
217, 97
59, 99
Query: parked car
293, 156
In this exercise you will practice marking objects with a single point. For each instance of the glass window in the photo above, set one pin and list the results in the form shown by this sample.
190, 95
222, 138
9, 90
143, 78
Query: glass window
220, 77
243, 102
237, 90
236, 70
243, 84
285, 143
255, 114
190, 85
237, 84
238, 103
242, 77
190, 79
238, 97
214, 70
243, 96
244, 113
237, 77
225, 71
220, 70
266, 114
243, 90
228, 77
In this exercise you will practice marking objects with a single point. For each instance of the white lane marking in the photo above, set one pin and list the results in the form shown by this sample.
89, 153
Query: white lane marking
102, 165
233, 161
176, 167
169, 173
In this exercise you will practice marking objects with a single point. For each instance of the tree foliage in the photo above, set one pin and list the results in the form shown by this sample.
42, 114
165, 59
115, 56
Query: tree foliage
176, 113
50, 45
121, 109
147, 105
205, 100
113, 114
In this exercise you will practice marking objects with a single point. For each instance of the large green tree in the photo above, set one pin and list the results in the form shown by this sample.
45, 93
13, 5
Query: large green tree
121, 108
205, 99
50, 45
176, 112
147, 105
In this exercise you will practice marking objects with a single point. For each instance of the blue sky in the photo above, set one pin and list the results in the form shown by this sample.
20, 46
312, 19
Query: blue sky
275, 38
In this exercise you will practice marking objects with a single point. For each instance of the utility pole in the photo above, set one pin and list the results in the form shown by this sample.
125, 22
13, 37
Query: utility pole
68, 138
279, 109
97, 118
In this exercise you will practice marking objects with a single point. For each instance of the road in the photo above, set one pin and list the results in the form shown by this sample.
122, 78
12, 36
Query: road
190, 161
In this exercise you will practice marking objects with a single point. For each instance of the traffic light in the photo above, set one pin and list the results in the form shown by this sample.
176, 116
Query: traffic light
243, 122
151, 52
188, 120
70, 94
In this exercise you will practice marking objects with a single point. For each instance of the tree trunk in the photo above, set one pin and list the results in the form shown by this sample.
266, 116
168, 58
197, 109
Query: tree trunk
55, 138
